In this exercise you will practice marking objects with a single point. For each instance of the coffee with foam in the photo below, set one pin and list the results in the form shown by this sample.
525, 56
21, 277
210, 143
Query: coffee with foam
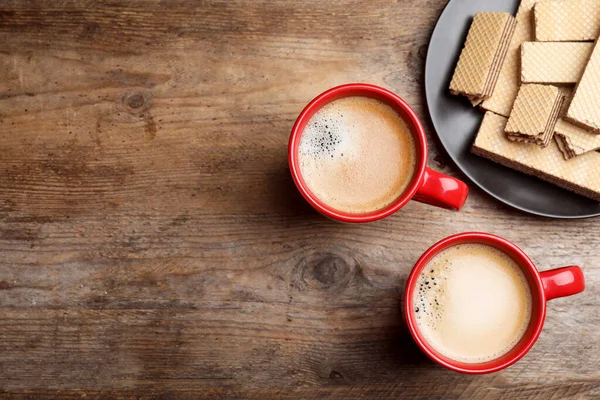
357, 155
472, 303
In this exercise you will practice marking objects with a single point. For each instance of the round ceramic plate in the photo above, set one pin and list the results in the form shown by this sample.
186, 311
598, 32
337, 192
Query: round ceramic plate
456, 123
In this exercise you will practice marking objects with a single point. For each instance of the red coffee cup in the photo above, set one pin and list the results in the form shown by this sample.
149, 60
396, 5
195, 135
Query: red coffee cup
546, 285
427, 185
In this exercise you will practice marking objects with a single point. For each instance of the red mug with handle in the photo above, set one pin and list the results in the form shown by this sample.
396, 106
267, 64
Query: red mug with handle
544, 286
427, 185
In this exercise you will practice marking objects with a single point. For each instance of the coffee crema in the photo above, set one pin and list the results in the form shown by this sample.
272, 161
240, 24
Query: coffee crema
357, 155
472, 303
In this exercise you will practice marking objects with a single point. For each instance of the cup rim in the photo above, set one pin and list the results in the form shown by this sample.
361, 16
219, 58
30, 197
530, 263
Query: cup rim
537, 301
409, 116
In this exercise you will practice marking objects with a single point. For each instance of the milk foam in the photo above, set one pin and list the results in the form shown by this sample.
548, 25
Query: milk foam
357, 155
472, 303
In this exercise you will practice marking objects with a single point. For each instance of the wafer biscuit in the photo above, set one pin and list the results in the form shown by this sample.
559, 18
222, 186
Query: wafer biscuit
579, 174
507, 86
554, 62
482, 56
534, 114
568, 92
573, 140
585, 106
573, 20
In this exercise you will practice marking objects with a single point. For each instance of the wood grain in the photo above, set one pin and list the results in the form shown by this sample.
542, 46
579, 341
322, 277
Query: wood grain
153, 245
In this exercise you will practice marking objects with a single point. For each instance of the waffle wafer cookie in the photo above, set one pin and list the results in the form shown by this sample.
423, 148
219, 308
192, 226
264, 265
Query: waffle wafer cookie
508, 83
568, 92
482, 56
534, 114
585, 106
572, 20
554, 62
579, 174
573, 140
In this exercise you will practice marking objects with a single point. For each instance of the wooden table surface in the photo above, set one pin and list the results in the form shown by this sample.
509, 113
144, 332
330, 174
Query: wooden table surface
152, 242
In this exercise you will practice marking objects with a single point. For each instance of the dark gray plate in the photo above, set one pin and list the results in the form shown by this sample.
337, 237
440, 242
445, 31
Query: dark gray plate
456, 123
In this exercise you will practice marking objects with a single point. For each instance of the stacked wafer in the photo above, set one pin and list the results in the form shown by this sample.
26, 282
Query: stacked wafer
483, 55
541, 91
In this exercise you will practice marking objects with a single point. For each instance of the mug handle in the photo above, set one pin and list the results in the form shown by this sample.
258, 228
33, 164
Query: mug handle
441, 190
561, 282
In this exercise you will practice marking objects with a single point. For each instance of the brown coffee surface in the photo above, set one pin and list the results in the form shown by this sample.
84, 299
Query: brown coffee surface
472, 303
357, 155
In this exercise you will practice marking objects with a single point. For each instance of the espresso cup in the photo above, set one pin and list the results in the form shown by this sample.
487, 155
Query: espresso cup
426, 185
543, 286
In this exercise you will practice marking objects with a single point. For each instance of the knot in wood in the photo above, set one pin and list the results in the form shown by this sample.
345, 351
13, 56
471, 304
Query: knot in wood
331, 269
328, 272
136, 102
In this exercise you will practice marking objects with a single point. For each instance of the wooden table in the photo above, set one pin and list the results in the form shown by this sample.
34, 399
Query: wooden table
152, 242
